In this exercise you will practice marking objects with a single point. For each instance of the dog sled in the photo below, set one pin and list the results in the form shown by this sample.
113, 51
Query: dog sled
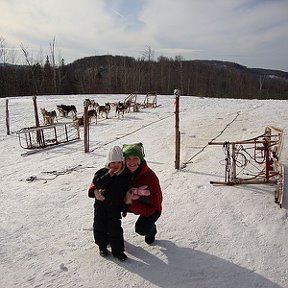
150, 100
50, 135
255, 161
131, 102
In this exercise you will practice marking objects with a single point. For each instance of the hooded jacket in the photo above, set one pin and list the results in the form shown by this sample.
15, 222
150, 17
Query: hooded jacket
115, 186
145, 176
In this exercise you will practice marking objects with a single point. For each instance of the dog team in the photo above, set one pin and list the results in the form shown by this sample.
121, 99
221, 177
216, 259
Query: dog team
94, 111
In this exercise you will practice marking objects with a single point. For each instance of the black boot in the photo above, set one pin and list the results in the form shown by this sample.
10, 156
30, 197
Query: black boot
120, 256
103, 251
150, 237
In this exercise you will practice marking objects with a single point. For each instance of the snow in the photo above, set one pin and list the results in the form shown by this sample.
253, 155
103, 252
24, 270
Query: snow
208, 236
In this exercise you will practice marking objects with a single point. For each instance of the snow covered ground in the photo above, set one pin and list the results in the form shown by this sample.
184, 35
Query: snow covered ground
208, 236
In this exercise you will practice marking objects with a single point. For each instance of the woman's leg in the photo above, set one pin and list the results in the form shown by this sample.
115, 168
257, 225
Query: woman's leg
146, 226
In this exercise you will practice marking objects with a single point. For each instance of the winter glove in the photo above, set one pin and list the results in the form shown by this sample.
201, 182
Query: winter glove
98, 194
136, 193
141, 191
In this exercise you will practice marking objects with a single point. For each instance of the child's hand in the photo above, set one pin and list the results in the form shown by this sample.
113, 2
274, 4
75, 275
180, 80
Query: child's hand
114, 170
135, 193
142, 191
128, 197
98, 194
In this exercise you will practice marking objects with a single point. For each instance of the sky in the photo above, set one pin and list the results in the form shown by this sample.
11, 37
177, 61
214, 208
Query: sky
209, 236
253, 33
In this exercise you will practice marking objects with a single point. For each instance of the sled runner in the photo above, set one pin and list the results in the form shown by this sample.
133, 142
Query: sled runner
45, 136
255, 161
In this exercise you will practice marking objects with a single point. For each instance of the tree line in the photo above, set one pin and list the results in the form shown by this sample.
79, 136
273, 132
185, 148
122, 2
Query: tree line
124, 74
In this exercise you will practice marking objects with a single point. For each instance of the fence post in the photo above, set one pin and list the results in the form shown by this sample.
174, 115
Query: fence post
39, 136
177, 132
86, 128
7, 117
36, 111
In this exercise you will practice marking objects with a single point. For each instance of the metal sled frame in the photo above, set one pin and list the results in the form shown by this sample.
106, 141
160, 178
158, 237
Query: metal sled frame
45, 136
255, 161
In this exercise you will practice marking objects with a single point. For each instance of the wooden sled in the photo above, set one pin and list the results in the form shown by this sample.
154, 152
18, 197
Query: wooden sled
148, 103
45, 136
255, 161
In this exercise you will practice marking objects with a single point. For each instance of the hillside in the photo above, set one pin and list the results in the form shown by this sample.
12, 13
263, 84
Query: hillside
119, 74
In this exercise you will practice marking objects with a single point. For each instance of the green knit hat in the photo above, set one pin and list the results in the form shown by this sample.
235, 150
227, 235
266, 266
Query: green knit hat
135, 149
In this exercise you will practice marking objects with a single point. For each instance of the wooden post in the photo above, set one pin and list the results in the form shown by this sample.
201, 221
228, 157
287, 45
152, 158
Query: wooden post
36, 111
267, 159
39, 137
177, 132
86, 128
233, 176
7, 117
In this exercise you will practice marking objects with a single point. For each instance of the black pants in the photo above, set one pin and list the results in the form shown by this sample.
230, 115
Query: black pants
107, 229
146, 225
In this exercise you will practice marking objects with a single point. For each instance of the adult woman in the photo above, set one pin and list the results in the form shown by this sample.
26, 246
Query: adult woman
142, 177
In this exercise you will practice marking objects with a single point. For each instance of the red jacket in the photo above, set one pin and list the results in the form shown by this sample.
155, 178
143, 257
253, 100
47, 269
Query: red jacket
146, 176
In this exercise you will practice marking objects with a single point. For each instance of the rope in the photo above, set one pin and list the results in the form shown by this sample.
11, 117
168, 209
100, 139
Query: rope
56, 173
210, 142
132, 132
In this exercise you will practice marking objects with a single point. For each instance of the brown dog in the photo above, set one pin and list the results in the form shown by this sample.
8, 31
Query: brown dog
48, 116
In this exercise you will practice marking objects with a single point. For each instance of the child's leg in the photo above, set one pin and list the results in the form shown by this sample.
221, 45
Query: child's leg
116, 236
100, 227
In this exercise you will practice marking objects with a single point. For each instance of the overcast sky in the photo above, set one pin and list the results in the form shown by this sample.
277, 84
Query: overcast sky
253, 33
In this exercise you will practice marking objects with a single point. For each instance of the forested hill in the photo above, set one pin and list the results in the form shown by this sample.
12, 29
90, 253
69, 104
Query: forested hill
123, 74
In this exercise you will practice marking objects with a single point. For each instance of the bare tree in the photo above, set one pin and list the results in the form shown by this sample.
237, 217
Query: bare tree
261, 80
29, 62
28, 58
3, 52
148, 54
52, 51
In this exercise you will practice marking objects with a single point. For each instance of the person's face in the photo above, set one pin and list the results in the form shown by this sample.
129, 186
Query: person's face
132, 163
115, 166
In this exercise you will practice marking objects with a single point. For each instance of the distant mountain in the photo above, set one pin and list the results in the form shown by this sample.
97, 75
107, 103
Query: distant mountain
255, 71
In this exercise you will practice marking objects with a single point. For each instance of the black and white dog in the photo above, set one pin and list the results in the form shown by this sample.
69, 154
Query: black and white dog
64, 110
120, 109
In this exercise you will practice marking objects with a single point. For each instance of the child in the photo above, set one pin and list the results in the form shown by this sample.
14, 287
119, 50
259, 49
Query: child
109, 187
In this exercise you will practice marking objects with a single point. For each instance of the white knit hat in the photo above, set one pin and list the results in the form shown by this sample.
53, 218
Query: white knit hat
115, 154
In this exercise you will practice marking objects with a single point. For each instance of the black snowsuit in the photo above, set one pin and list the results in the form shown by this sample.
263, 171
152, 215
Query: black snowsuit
107, 214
